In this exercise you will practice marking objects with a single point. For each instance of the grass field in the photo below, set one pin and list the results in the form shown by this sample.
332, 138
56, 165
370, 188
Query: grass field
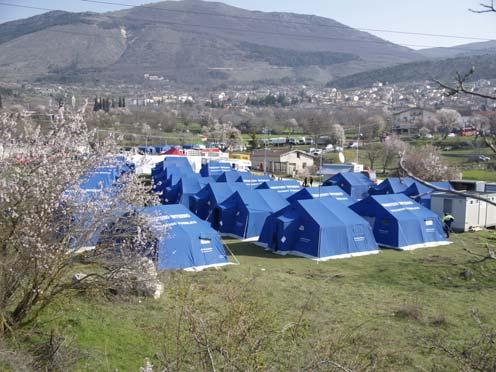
389, 303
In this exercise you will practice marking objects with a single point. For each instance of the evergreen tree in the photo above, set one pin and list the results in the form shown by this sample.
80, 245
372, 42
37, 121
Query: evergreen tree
1, 103
95, 106
120, 102
123, 102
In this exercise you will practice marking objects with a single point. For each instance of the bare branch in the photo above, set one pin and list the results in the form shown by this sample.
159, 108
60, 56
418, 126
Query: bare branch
486, 8
460, 86
440, 189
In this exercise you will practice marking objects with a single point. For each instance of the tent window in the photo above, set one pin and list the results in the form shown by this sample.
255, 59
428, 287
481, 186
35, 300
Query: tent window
301, 228
385, 221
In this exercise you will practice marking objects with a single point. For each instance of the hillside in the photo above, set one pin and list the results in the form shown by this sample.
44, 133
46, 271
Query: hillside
368, 313
189, 42
472, 49
419, 71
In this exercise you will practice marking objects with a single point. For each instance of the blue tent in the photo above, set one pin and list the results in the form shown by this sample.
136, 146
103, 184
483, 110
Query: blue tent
253, 180
422, 194
203, 202
215, 169
167, 180
284, 187
401, 223
355, 184
96, 181
187, 186
243, 214
391, 185
183, 241
320, 229
181, 162
231, 176
334, 192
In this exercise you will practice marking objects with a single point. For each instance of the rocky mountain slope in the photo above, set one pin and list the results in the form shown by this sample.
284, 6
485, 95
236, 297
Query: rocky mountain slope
190, 42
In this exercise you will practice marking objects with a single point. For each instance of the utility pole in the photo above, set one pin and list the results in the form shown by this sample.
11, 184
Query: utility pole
358, 144
265, 149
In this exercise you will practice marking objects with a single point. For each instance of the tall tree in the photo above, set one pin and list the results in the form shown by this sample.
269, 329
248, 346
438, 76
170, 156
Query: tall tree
448, 120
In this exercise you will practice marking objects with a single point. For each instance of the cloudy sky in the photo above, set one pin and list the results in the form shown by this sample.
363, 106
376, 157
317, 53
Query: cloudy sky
446, 17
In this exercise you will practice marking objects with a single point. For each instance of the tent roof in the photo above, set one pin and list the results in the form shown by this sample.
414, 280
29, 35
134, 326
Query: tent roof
398, 206
174, 151
230, 176
221, 191
392, 185
168, 219
353, 178
323, 192
284, 186
329, 212
215, 168
253, 179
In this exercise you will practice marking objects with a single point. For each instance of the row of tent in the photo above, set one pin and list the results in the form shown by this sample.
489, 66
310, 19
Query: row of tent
360, 186
348, 216
316, 228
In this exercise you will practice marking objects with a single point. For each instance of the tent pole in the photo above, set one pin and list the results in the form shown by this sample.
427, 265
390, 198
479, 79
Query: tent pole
231, 252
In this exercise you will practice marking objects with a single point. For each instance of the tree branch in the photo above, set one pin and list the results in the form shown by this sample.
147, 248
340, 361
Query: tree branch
486, 8
440, 189
460, 86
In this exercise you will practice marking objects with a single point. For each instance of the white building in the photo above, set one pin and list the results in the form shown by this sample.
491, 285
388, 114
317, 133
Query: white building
469, 213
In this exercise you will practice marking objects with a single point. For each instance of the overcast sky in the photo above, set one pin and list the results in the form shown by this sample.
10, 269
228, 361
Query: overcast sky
426, 16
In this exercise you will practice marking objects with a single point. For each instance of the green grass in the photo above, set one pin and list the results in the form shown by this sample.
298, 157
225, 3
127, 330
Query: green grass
480, 174
360, 293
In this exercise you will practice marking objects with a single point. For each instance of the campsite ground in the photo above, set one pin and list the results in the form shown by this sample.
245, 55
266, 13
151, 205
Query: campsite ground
389, 306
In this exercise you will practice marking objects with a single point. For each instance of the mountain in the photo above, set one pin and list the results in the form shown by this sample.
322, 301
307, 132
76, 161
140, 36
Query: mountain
472, 49
444, 70
190, 42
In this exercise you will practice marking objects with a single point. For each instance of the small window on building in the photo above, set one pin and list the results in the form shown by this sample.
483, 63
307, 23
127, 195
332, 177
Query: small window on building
448, 206
304, 165
298, 155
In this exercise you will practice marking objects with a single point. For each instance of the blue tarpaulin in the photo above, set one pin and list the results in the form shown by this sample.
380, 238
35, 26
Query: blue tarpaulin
391, 185
243, 214
183, 240
401, 223
423, 194
334, 192
284, 187
319, 229
203, 202
355, 184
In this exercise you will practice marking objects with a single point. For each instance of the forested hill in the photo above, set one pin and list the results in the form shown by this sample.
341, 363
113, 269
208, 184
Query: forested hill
485, 68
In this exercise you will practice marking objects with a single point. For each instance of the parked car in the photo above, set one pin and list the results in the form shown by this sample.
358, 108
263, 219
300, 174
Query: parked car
484, 158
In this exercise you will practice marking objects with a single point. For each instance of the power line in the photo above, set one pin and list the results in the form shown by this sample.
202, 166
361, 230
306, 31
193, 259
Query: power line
287, 22
296, 36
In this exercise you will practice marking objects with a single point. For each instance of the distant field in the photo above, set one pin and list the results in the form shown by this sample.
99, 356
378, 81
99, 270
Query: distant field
390, 303
481, 175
